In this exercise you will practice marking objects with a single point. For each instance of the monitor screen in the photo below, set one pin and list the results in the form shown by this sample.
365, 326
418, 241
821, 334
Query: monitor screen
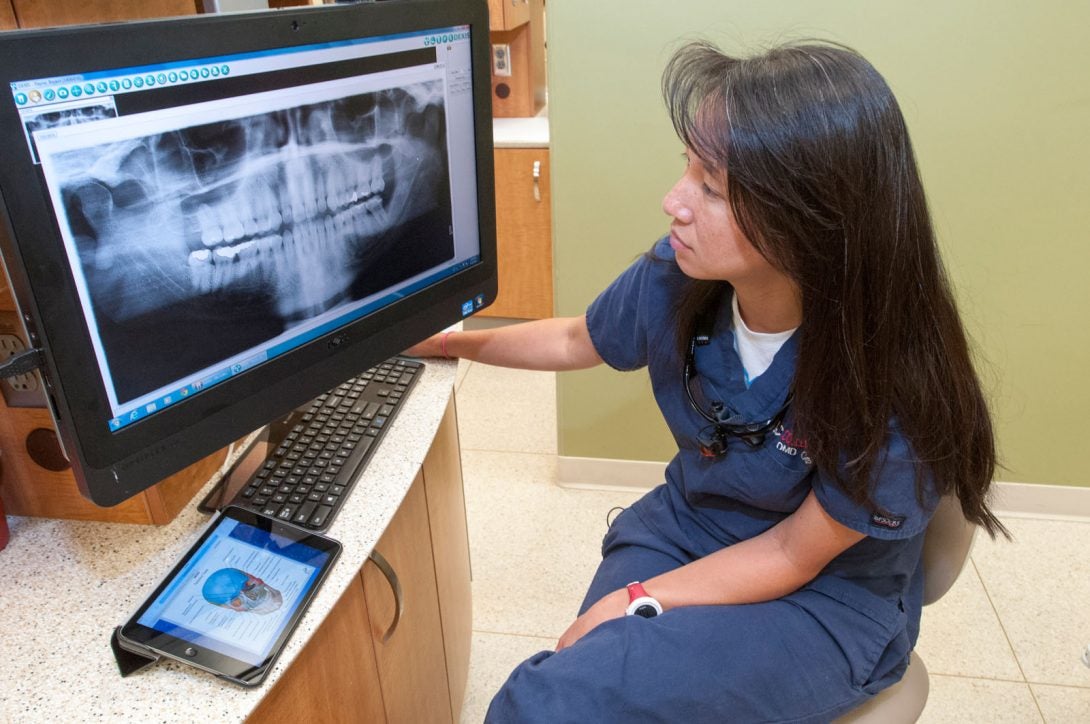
213, 219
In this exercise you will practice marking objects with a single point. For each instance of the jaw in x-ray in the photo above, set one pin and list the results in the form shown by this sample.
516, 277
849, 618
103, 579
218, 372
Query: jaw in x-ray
288, 207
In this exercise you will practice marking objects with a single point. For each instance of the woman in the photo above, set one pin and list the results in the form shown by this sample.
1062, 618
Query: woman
804, 347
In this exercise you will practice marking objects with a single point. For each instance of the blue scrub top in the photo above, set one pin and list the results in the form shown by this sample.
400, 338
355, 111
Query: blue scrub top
633, 324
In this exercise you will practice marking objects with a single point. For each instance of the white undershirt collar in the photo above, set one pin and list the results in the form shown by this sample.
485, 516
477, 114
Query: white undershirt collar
756, 349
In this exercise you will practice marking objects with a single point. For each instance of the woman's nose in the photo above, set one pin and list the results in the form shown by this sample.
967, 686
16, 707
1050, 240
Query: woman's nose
674, 205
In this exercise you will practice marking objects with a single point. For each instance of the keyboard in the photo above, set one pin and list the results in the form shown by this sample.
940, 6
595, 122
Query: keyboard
308, 476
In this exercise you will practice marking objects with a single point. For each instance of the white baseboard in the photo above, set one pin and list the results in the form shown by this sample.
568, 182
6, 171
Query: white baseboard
608, 473
1033, 500
1029, 500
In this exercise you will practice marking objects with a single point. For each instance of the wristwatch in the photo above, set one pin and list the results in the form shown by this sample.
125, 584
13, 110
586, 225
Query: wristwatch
640, 604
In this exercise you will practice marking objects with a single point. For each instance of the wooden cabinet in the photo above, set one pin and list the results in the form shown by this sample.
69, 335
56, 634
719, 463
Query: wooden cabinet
411, 662
335, 678
42, 13
450, 546
523, 234
507, 14
359, 666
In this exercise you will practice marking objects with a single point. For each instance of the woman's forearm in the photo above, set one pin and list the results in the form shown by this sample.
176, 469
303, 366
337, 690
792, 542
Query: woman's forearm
751, 571
559, 343
778, 562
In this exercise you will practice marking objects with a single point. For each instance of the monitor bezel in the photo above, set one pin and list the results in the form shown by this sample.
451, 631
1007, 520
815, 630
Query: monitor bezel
112, 466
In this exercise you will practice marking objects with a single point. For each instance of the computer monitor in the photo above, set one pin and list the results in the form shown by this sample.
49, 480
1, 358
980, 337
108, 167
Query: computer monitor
210, 220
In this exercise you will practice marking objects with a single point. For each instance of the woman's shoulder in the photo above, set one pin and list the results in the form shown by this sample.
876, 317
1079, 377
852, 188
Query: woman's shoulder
661, 264
653, 273
662, 253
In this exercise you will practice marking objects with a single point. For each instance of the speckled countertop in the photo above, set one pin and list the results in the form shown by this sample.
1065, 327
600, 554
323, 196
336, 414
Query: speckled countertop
521, 132
65, 585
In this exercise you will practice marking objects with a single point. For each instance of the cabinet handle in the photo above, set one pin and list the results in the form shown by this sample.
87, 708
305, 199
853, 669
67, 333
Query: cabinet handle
537, 181
395, 586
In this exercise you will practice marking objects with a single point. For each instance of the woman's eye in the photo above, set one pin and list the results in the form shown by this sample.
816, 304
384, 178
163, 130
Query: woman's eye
709, 191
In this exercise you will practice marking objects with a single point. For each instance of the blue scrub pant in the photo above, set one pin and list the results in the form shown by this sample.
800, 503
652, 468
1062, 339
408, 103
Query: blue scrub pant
807, 657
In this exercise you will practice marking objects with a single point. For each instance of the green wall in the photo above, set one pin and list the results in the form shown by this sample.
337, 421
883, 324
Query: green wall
997, 96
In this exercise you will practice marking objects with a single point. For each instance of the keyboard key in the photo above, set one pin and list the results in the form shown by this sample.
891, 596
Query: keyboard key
318, 519
302, 516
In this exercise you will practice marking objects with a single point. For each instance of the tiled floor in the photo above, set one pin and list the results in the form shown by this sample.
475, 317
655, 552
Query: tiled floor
1003, 645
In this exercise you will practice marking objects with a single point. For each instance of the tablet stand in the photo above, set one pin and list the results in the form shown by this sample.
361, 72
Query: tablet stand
129, 662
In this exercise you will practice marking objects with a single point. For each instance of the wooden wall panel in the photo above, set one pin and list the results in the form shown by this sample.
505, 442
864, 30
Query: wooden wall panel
27, 488
513, 95
7, 16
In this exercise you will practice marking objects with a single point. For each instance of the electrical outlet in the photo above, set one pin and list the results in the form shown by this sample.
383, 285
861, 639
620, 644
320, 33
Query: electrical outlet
501, 59
10, 345
20, 390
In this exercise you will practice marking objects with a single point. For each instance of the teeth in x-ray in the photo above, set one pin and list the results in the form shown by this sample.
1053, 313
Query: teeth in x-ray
378, 181
211, 233
361, 218
318, 190
331, 194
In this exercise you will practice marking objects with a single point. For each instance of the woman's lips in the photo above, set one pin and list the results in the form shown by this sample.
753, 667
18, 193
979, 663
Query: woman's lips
677, 244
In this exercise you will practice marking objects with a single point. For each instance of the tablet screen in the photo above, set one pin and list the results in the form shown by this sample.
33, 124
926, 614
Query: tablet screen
240, 591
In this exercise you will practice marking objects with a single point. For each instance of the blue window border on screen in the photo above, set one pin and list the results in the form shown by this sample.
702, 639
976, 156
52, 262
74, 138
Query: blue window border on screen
145, 409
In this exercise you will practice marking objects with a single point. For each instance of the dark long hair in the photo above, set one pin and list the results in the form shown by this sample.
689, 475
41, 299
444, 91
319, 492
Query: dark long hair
812, 148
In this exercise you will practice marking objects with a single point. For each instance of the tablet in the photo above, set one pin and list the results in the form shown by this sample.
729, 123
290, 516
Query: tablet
234, 598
